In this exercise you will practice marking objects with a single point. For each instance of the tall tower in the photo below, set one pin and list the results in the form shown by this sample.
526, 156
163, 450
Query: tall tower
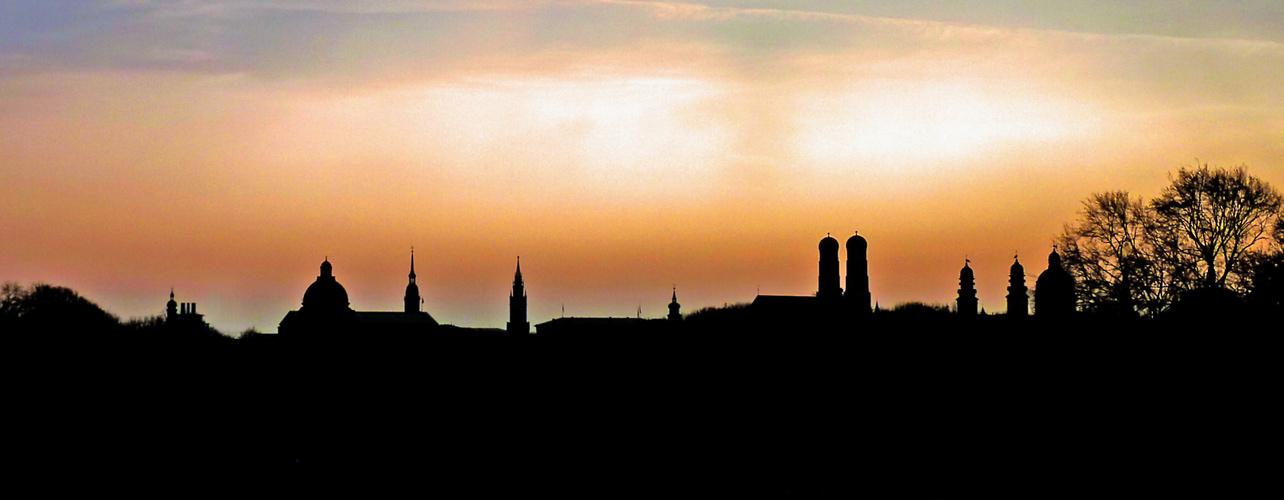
517, 304
675, 309
828, 280
1018, 294
857, 293
412, 290
967, 291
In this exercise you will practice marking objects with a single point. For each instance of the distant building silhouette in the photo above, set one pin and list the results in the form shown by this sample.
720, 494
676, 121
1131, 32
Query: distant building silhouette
828, 280
1054, 290
182, 314
1018, 294
573, 326
967, 291
517, 322
857, 294
326, 311
675, 309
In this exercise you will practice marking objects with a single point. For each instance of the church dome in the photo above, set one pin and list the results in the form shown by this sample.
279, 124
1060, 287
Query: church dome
325, 294
857, 244
1017, 269
1054, 293
966, 272
829, 244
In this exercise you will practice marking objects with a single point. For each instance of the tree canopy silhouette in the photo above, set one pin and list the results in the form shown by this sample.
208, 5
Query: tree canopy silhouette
1207, 230
48, 308
1210, 218
1111, 252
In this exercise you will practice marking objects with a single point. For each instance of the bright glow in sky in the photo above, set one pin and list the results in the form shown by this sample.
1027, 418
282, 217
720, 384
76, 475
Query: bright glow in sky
226, 147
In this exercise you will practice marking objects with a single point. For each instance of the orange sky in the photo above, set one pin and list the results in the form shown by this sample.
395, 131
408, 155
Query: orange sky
225, 148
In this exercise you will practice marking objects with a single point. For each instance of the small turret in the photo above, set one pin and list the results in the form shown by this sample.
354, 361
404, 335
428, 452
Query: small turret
171, 307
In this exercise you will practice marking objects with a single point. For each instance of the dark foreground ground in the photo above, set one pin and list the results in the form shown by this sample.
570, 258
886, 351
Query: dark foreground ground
892, 410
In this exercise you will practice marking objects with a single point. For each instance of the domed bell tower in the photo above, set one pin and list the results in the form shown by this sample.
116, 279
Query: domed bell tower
828, 279
857, 294
967, 290
1018, 293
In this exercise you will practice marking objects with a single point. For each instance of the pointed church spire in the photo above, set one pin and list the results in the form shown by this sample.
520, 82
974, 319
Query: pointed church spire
675, 309
412, 300
517, 322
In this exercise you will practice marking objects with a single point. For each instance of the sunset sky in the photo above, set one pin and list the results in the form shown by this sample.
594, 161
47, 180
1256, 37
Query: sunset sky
224, 148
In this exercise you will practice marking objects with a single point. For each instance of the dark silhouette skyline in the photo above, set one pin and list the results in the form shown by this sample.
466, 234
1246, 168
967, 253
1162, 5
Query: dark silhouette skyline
212, 150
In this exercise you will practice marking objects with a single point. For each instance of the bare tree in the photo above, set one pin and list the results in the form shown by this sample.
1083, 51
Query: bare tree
1209, 219
1111, 252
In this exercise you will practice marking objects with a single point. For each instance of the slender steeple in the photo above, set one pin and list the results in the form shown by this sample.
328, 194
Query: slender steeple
517, 322
675, 309
413, 300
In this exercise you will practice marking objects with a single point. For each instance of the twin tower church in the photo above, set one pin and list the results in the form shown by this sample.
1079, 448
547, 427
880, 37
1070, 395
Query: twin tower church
326, 307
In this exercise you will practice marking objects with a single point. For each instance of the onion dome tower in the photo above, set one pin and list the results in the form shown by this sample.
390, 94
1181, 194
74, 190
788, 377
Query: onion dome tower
171, 307
828, 280
412, 290
967, 290
857, 293
1018, 294
325, 294
517, 322
675, 309
1054, 290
